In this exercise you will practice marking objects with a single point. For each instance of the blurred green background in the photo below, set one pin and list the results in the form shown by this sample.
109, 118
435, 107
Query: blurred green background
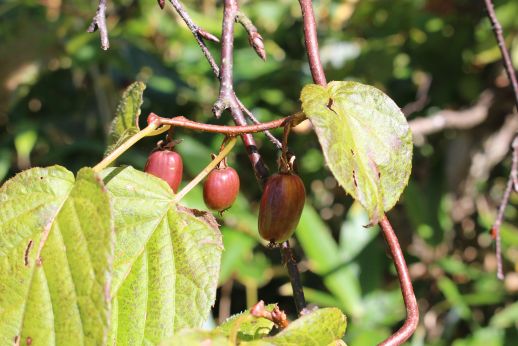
59, 90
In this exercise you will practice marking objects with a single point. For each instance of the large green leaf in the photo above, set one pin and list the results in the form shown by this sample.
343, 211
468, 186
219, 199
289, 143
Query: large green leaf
324, 259
366, 141
321, 327
56, 252
167, 260
125, 123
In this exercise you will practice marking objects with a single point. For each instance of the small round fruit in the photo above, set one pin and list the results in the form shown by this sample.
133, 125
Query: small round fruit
166, 164
221, 188
281, 206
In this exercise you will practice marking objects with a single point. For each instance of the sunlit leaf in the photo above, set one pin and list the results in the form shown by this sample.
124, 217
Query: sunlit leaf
56, 250
321, 327
167, 259
365, 139
125, 123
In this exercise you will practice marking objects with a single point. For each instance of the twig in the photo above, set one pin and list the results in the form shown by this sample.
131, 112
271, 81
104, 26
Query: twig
99, 22
225, 301
449, 119
152, 129
310, 36
421, 97
511, 74
254, 37
412, 310
227, 99
268, 134
181, 121
495, 230
259, 167
197, 33
293, 272
506, 58
277, 316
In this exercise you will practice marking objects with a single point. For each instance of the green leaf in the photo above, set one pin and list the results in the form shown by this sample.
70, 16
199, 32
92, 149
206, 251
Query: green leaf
167, 259
353, 236
196, 337
324, 259
56, 253
506, 317
320, 327
125, 123
366, 141
248, 327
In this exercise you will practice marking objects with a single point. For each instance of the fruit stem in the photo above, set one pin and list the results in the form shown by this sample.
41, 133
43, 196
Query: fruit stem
150, 130
222, 154
293, 272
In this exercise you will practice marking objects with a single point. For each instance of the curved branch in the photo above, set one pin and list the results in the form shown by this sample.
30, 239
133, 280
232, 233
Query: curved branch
506, 58
181, 121
511, 74
310, 37
412, 310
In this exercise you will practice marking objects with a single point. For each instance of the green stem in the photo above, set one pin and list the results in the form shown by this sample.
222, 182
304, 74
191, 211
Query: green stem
150, 130
222, 154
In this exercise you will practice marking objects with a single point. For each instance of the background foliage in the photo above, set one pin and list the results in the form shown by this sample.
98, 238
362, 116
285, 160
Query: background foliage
58, 92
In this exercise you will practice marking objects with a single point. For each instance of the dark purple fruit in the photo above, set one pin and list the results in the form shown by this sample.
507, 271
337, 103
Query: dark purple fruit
281, 206
221, 188
166, 164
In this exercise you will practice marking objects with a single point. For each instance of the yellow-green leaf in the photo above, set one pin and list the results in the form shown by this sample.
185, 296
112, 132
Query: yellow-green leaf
366, 141
56, 253
125, 123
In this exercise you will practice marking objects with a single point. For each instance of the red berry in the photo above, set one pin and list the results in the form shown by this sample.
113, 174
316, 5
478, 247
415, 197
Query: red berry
221, 188
281, 206
166, 164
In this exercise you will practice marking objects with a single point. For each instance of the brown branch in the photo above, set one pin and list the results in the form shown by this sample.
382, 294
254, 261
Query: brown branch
511, 74
197, 33
448, 119
181, 121
495, 230
310, 37
268, 134
254, 37
249, 141
412, 310
227, 99
293, 272
99, 22
422, 97
506, 58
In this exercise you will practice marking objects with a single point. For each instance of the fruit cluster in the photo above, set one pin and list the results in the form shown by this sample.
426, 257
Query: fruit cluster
282, 201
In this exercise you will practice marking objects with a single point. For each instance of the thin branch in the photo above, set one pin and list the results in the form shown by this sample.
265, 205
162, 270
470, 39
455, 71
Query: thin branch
293, 272
511, 74
197, 33
99, 23
227, 99
268, 134
506, 58
495, 230
412, 310
449, 119
254, 37
239, 119
310, 36
181, 121
422, 97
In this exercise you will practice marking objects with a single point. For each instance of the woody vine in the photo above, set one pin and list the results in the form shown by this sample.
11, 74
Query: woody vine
152, 263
